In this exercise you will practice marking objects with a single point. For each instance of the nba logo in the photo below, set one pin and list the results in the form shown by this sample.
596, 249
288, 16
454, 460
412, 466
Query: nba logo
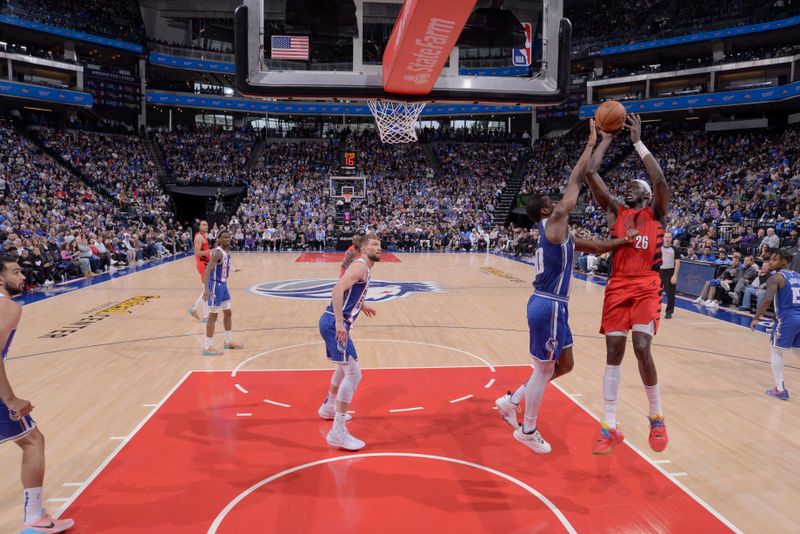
522, 56
551, 345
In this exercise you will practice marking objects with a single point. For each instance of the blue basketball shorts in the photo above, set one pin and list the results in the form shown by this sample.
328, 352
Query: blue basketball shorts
220, 297
11, 430
336, 352
786, 333
549, 331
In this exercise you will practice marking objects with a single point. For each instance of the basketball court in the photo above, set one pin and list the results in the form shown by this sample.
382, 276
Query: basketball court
145, 434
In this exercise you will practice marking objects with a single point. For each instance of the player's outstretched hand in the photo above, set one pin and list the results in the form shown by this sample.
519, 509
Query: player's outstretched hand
634, 124
19, 408
592, 133
630, 235
341, 333
753, 324
206, 294
369, 311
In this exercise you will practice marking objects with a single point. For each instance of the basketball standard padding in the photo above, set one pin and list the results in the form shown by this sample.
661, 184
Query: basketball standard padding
610, 116
421, 41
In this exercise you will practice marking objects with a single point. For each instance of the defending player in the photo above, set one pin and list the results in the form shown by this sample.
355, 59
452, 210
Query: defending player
16, 423
633, 293
783, 288
347, 301
202, 254
217, 296
550, 334
353, 252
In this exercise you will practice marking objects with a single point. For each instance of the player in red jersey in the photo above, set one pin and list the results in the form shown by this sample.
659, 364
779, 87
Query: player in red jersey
633, 293
202, 255
353, 253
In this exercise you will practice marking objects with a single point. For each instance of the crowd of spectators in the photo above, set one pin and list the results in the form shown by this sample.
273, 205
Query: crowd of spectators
62, 228
205, 155
613, 22
119, 165
110, 18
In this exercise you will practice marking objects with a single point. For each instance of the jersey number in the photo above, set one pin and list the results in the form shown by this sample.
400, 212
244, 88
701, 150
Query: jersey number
641, 242
538, 262
796, 295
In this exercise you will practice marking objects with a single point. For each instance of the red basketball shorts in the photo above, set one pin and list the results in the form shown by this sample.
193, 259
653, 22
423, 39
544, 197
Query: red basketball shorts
629, 301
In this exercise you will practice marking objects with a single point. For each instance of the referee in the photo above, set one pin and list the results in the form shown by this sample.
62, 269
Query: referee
670, 266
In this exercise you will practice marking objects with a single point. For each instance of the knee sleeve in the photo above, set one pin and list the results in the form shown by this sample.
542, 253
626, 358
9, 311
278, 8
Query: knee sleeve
338, 376
352, 376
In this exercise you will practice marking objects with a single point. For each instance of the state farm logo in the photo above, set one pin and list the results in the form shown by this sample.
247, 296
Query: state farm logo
429, 49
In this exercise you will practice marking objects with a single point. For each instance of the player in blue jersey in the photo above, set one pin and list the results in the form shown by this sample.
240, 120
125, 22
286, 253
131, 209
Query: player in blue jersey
783, 290
217, 296
347, 301
550, 335
16, 423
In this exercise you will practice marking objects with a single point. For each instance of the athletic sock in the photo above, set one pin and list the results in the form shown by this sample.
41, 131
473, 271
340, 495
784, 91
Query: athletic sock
611, 380
534, 391
32, 499
331, 399
208, 342
228, 336
654, 398
776, 357
516, 398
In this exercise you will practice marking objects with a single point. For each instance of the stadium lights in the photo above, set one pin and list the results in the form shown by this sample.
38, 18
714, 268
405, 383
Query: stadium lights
692, 118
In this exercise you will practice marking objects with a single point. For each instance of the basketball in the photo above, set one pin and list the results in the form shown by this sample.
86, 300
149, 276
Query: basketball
610, 116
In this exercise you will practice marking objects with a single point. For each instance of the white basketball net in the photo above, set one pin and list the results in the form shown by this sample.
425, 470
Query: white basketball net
396, 121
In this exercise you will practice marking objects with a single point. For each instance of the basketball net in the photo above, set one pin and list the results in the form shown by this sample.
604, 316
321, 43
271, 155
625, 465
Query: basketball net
347, 197
396, 121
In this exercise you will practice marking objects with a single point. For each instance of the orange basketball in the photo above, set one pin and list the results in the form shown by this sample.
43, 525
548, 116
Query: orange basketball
610, 116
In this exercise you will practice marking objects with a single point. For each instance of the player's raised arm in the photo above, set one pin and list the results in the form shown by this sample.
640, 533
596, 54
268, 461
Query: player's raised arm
216, 256
357, 272
660, 189
601, 246
558, 222
775, 282
595, 182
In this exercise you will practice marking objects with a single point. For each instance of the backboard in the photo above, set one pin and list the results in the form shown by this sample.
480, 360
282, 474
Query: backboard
518, 54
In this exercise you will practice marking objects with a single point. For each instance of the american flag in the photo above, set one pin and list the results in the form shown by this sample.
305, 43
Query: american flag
289, 47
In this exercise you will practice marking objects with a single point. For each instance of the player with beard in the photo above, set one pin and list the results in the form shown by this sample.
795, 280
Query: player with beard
347, 301
633, 293
16, 423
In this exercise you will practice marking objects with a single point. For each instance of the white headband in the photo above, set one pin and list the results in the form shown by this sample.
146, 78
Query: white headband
646, 186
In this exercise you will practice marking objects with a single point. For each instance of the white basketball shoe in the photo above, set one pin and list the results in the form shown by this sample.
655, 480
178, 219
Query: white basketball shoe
343, 439
534, 441
508, 410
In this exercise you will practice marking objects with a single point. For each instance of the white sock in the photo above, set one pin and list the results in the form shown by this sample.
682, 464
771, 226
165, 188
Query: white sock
534, 391
776, 355
208, 342
338, 422
228, 336
516, 398
611, 380
654, 398
32, 499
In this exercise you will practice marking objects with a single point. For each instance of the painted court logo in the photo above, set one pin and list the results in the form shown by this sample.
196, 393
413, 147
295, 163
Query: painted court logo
320, 289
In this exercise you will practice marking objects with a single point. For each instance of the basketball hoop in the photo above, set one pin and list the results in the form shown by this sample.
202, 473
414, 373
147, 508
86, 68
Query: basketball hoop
347, 197
396, 121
